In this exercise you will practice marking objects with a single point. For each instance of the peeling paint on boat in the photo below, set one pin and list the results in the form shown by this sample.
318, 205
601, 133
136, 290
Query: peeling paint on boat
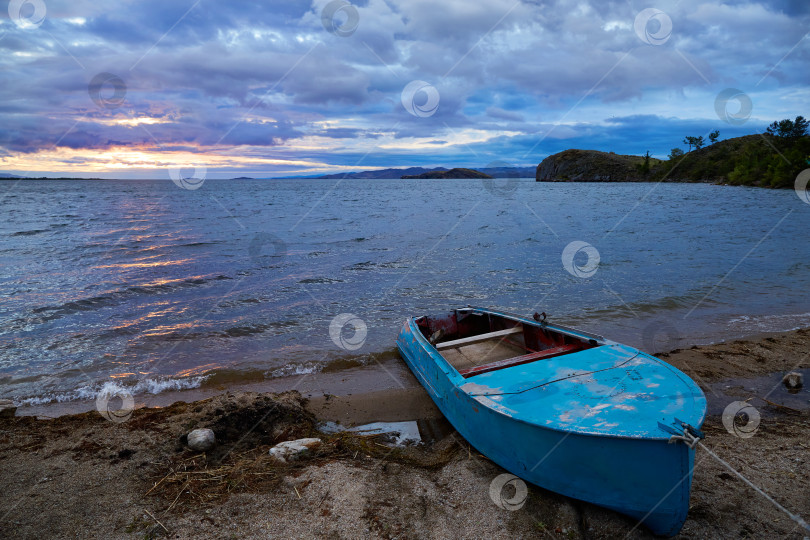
591, 418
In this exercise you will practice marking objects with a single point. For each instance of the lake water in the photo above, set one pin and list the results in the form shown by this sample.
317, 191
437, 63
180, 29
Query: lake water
159, 288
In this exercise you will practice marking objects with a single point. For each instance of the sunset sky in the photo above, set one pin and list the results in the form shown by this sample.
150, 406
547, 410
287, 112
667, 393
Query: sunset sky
132, 89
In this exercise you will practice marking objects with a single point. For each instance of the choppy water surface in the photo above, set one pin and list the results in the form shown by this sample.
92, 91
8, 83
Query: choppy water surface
155, 287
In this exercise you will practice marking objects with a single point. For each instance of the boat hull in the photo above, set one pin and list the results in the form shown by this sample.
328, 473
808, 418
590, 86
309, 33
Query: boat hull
646, 479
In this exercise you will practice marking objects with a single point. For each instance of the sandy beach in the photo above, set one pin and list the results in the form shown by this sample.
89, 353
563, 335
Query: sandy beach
82, 476
229, 228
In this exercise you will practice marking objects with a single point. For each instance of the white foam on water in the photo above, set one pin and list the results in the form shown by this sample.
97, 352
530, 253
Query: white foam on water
770, 323
111, 388
295, 369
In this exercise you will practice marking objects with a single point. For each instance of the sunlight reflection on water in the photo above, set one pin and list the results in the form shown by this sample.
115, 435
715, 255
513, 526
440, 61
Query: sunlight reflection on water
105, 279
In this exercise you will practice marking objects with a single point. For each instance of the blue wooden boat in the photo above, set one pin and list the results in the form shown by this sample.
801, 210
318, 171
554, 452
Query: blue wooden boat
569, 411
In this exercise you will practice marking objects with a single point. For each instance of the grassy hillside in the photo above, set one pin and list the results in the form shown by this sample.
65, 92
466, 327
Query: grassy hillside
594, 166
754, 160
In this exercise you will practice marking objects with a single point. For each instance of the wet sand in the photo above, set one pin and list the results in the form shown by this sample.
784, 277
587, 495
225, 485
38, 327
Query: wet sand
80, 475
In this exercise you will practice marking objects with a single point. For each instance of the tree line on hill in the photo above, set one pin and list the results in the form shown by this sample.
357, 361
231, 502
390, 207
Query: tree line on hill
771, 159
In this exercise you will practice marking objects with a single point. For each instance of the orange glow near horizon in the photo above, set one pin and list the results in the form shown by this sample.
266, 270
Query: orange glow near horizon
142, 158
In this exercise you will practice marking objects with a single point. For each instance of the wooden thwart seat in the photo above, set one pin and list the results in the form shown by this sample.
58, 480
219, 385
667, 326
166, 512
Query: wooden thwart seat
524, 359
479, 338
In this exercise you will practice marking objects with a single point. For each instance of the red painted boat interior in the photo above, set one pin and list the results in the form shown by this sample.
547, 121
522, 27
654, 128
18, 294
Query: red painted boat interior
537, 343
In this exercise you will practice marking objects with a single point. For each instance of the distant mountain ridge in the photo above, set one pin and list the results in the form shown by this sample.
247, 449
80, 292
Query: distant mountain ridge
395, 174
388, 174
452, 173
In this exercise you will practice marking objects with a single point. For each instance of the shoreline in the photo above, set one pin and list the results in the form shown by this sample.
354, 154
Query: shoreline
388, 377
523, 178
391, 380
138, 480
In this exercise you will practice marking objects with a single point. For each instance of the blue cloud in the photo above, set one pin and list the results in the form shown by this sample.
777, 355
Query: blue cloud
244, 76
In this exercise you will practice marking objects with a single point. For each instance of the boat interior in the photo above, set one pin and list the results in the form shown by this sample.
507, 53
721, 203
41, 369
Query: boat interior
476, 342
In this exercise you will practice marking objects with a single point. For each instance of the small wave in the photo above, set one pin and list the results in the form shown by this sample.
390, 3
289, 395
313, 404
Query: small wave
157, 386
197, 244
771, 323
354, 361
370, 265
224, 377
343, 363
295, 369
247, 330
256, 328
320, 280
171, 334
665, 304
146, 386
113, 298
86, 304
29, 233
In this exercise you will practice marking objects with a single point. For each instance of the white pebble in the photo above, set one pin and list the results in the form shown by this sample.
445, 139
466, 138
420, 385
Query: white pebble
201, 440
793, 380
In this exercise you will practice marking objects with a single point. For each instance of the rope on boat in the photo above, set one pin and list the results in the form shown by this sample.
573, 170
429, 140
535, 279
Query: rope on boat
795, 517
690, 436
689, 439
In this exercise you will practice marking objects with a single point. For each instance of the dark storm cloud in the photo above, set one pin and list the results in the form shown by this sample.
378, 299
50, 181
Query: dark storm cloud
265, 74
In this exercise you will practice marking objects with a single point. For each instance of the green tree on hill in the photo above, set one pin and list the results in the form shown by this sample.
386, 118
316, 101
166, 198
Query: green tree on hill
675, 153
644, 167
689, 141
789, 129
697, 142
777, 163
770, 159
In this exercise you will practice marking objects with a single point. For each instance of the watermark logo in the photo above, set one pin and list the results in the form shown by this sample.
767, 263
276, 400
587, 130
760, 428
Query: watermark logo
348, 331
501, 488
571, 259
99, 90
800, 185
741, 419
653, 26
340, 18
191, 181
660, 337
743, 108
115, 404
420, 98
27, 14
259, 243
505, 180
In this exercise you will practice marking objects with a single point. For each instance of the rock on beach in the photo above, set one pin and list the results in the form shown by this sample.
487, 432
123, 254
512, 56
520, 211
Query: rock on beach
293, 450
201, 440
